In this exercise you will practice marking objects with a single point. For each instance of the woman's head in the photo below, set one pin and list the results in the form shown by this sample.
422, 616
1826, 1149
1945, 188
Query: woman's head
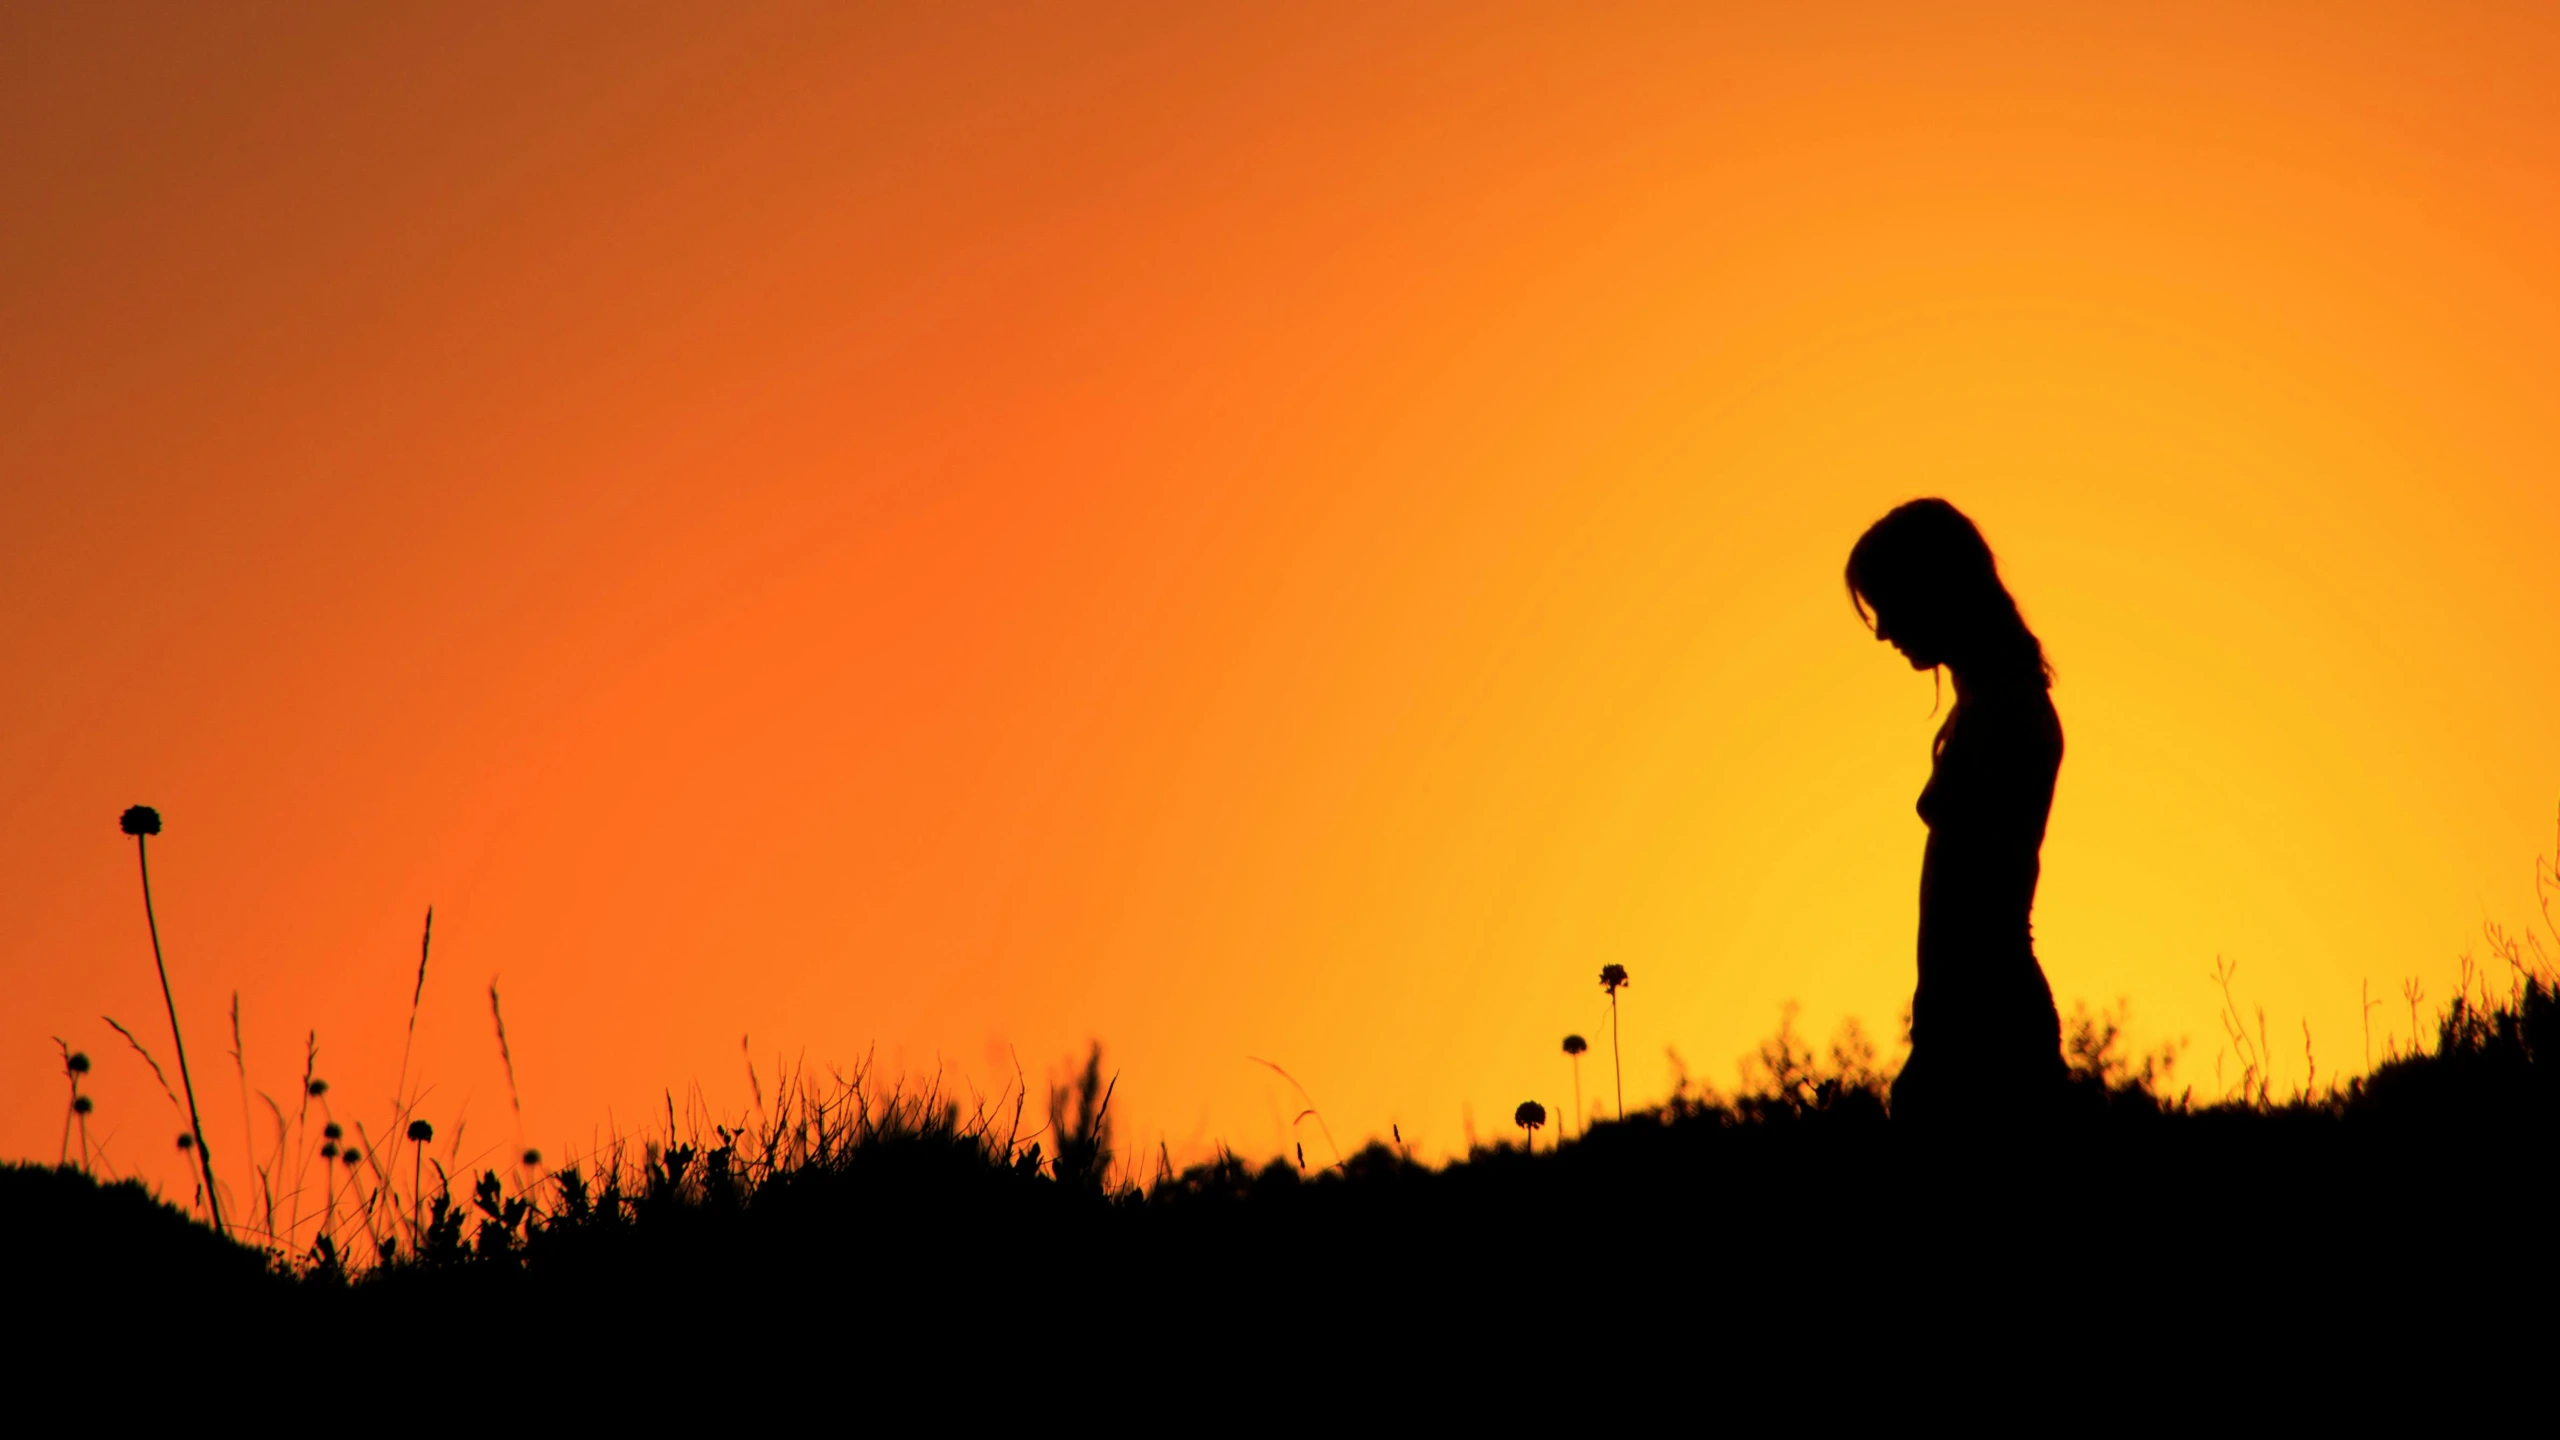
1923, 579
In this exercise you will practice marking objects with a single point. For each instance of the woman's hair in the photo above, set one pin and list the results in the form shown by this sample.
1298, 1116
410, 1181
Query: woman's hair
1927, 548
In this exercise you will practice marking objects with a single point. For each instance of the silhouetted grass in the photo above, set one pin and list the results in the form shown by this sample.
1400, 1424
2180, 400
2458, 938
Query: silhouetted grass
882, 1219
910, 1195
884, 1212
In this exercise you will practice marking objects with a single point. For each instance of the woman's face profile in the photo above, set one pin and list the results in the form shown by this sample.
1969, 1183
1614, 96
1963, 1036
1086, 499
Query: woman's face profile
1911, 629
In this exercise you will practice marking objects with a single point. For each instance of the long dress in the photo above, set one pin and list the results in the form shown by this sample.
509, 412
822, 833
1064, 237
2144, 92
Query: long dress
1985, 1039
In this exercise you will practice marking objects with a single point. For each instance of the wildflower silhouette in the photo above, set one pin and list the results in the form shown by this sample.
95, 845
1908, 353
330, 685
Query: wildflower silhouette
1574, 1045
81, 1105
1613, 978
1529, 1117
141, 822
420, 1134
533, 1159
75, 1063
319, 1088
329, 1136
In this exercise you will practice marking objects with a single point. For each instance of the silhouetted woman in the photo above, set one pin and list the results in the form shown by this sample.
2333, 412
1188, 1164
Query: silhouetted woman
1984, 1037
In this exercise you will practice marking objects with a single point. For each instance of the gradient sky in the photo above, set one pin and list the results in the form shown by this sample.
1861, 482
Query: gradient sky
1293, 533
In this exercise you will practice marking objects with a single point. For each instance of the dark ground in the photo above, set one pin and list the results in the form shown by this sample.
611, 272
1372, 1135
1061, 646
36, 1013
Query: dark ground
1797, 1230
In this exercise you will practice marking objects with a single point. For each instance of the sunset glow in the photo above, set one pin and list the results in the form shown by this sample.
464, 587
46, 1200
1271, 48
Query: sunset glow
950, 532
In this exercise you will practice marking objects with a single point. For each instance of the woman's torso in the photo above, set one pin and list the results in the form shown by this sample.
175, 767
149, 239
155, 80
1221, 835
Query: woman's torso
1988, 798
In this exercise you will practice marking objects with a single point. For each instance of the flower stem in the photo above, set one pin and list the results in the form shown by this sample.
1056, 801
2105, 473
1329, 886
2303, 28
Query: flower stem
1616, 1061
204, 1157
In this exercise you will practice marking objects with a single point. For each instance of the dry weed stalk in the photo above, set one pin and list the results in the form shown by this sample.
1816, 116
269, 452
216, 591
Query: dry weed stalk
142, 822
1613, 978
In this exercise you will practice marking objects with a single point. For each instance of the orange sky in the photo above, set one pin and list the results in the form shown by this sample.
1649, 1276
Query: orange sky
1296, 536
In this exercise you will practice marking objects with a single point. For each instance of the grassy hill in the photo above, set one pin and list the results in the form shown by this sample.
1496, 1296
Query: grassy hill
899, 1227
